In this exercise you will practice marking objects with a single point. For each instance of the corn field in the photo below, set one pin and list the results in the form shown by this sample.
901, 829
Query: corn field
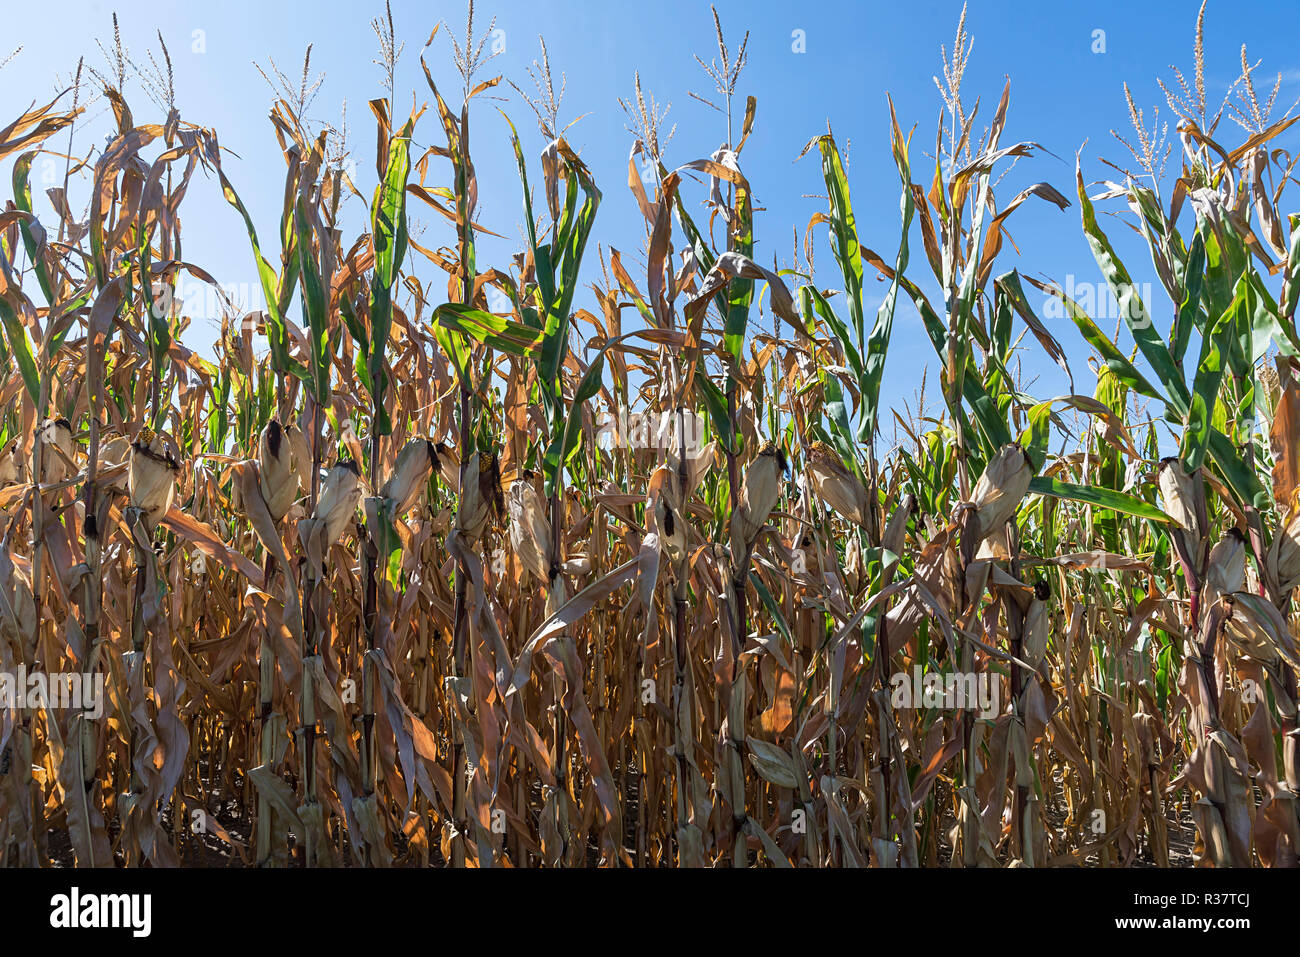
602, 557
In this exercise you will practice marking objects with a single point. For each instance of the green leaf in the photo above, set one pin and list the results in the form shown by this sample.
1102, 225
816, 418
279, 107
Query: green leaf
389, 236
740, 291
388, 212
32, 233
20, 346
277, 332
844, 232
513, 338
1100, 497
564, 444
556, 342
314, 309
822, 307
1194, 279
715, 403
1115, 360
456, 347
1265, 326
1241, 478
1035, 437
1287, 306
772, 606
878, 342
1131, 307
1205, 387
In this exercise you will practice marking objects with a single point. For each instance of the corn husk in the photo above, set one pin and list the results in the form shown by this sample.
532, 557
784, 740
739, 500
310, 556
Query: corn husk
1000, 489
275, 473
1178, 496
11, 466
1225, 571
530, 532
671, 528
853, 564
115, 452
1284, 554
415, 461
895, 536
698, 464
151, 477
56, 436
1260, 631
300, 454
481, 500
18, 609
759, 492
835, 485
440, 523
340, 493
448, 465
805, 560
1033, 645
577, 565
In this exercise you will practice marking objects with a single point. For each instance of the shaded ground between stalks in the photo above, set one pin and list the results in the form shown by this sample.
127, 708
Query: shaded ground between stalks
207, 850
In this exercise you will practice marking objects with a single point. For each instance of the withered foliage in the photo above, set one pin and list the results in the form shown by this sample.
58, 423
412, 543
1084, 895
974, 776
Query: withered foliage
496, 566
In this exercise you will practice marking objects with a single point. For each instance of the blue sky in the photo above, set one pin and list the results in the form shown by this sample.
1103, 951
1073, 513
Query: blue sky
1062, 95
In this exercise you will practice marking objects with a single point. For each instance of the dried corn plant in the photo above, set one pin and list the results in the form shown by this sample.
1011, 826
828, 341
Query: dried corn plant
622, 573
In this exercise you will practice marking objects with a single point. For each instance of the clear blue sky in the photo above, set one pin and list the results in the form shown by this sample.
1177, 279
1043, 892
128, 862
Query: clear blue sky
1062, 94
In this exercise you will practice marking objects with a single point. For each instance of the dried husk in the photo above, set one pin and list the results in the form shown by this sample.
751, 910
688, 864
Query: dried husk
530, 532
417, 459
340, 493
759, 492
670, 527
835, 485
1036, 632
895, 535
11, 465
56, 436
1284, 554
1178, 496
1225, 570
481, 501
1000, 489
300, 453
151, 477
276, 477
853, 564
